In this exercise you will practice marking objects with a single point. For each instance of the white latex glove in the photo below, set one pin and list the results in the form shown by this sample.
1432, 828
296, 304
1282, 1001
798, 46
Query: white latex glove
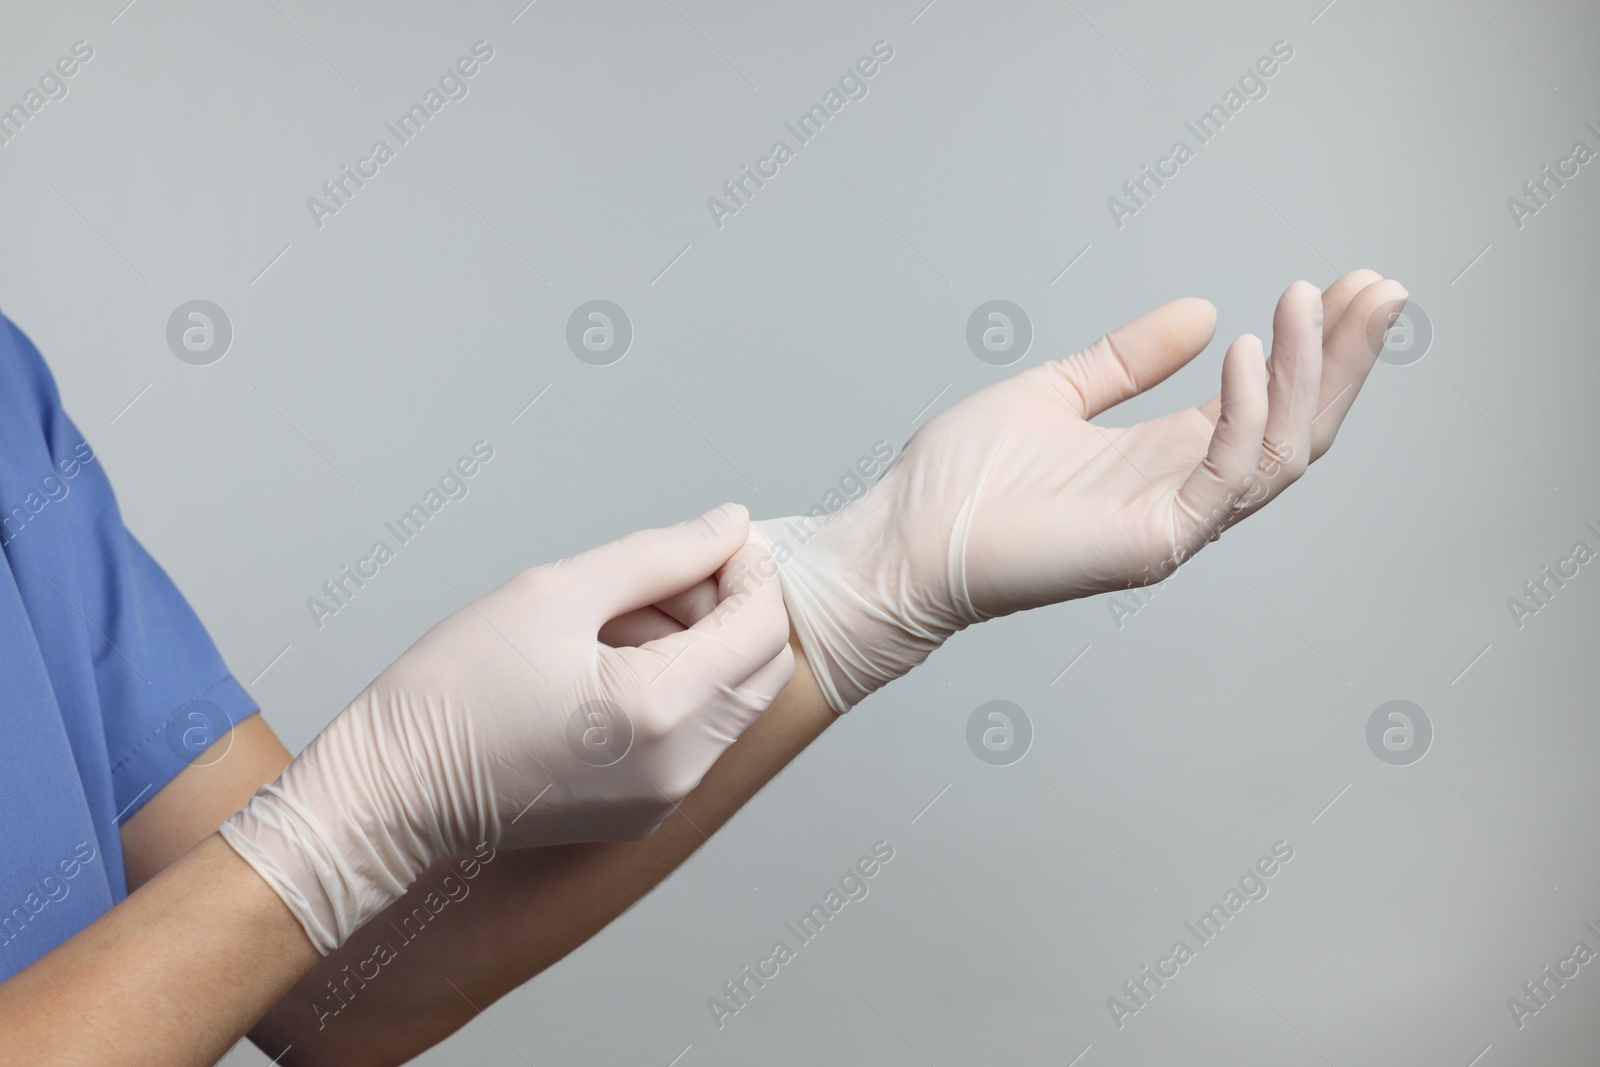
508, 723
1012, 498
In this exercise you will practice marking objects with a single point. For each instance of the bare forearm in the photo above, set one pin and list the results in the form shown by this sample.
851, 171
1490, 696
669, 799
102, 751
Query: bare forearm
173, 975
408, 980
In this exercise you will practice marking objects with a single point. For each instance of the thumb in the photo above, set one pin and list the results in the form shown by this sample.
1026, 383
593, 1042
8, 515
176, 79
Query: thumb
651, 565
1132, 358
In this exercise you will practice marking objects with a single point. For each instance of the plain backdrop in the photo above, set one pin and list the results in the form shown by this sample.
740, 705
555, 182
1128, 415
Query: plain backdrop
769, 353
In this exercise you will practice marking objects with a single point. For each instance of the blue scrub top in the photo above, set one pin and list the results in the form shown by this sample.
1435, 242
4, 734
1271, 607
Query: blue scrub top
109, 685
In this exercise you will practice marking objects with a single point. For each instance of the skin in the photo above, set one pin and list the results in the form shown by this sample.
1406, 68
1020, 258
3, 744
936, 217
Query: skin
146, 983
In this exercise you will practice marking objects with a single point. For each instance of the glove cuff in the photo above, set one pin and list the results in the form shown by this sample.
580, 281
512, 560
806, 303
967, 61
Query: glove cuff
261, 832
304, 835
859, 627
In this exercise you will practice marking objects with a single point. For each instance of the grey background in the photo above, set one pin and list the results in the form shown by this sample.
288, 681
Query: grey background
1223, 717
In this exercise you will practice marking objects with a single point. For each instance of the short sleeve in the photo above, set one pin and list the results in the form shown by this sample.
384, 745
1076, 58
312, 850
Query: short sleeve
157, 722
125, 653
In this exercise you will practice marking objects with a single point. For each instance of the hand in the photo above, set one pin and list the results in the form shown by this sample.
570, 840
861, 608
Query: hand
1012, 498
509, 724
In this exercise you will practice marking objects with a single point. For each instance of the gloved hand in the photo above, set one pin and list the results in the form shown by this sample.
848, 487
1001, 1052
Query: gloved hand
508, 723
1012, 498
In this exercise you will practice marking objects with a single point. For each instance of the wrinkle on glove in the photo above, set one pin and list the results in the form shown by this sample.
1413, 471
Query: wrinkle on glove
510, 724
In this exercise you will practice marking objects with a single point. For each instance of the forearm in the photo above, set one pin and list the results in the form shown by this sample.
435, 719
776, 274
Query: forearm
521, 912
173, 975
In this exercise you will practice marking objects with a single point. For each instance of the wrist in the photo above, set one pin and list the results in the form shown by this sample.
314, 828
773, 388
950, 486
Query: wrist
331, 845
862, 610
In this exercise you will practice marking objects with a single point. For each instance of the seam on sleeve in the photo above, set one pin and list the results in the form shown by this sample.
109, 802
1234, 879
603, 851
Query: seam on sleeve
162, 726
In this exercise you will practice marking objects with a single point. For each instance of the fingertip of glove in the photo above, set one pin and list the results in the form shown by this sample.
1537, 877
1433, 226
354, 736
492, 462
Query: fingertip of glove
1197, 306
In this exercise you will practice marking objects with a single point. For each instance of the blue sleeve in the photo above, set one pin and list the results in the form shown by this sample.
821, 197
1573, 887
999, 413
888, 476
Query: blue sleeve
116, 634
161, 718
